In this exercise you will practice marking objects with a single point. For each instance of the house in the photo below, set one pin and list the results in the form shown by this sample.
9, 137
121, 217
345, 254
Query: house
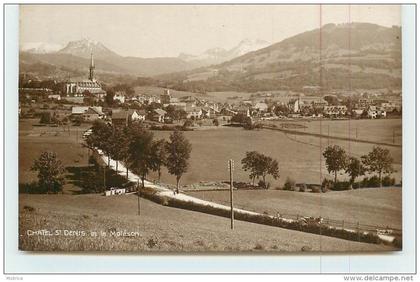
357, 112
177, 105
165, 98
244, 110
159, 115
319, 104
364, 103
139, 115
209, 112
294, 105
54, 97
88, 113
120, 118
120, 97
335, 111
115, 191
375, 112
226, 111
91, 114
78, 111
261, 107
194, 112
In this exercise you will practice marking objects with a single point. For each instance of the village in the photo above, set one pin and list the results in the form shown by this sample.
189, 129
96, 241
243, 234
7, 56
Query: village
86, 101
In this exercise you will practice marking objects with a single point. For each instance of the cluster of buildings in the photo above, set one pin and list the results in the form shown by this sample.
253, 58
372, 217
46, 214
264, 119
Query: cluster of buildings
259, 106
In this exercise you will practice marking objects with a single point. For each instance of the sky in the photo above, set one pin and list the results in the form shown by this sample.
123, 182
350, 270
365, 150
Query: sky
168, 30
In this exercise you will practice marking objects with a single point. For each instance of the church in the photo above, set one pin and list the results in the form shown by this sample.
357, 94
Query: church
79, 88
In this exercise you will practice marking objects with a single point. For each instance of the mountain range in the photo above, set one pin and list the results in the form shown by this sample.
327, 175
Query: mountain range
76, 53
218, 55
367, 53
356, 55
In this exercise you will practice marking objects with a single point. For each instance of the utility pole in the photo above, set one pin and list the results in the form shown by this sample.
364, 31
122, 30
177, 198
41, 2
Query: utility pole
104, 177
138, 197
232, 215
393, 136
328, 135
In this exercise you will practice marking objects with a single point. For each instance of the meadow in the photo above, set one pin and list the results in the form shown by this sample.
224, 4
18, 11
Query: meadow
376, 130
373, 206
299, 157
160, 228
168, 229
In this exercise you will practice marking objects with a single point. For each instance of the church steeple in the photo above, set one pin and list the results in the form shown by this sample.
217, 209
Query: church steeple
91, 67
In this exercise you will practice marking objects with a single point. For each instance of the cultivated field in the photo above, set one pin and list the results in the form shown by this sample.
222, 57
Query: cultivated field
160, 228
373, 206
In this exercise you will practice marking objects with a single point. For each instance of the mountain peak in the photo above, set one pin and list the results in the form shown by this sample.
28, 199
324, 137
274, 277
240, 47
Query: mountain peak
85, 46
218, 55
40, 47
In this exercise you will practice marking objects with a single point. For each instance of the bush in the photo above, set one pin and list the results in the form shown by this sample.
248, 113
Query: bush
263, 185
302, 187
315, 189
341, 186
289, 184
374, 182
188, 123
327, 184
388, 181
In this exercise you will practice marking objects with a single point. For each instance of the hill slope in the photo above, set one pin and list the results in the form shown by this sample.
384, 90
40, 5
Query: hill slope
357, 55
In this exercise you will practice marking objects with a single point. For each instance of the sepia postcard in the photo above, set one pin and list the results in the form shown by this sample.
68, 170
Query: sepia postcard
210, 128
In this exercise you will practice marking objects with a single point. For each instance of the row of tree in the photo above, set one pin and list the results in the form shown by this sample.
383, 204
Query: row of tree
378, 161
136, 147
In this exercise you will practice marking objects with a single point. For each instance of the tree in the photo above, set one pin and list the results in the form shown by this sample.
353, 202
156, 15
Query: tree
281, 110
378, 160
249, 164
240, 118
45, 118
158, 156
50, 170
118, 145
335, 159
101, 138
354, 168
178, 152
140, 153
109, 98
260, 165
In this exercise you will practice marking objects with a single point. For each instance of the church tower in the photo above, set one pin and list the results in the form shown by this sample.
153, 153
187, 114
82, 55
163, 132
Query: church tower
91, 67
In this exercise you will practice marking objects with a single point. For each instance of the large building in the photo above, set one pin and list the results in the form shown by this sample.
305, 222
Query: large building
80, 88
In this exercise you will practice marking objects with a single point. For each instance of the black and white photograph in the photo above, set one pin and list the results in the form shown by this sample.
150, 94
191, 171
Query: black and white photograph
210, 129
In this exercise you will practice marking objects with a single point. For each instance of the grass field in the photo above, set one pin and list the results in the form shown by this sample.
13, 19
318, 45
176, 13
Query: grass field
160, 228
169, 229
298, 156
373, 206
375, 130
34, 140
157, 91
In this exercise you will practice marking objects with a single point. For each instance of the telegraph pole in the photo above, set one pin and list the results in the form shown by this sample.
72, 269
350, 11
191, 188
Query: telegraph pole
104, 177
328, 135
138, 197
232, 215
393, 136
